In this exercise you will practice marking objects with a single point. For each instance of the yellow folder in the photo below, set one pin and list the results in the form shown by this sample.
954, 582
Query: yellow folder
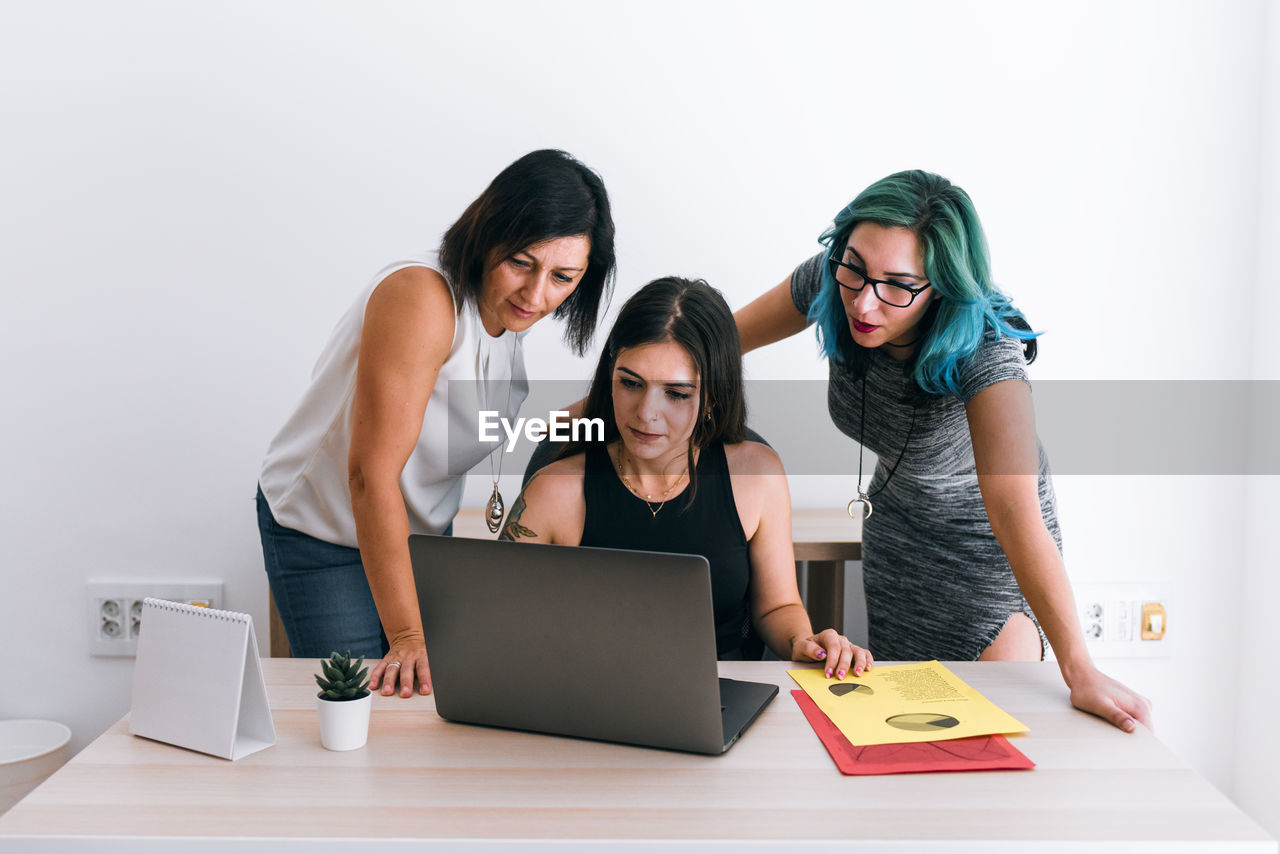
904, 703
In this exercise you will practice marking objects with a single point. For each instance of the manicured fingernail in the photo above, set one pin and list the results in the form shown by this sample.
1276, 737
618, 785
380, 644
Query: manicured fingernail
828, 673
840, 675
857, 671
822, 653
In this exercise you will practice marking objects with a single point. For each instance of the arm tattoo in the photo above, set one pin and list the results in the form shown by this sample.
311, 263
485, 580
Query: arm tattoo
513, 530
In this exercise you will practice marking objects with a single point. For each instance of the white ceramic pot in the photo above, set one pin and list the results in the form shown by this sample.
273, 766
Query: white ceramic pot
30, 751
344, 724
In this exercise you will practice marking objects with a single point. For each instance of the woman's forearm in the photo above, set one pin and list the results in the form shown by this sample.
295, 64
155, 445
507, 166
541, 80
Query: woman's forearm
1037, 566
382, 529
770, 317
782, 627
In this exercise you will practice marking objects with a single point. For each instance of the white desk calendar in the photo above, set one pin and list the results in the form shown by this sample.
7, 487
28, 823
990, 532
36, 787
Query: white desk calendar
198, 683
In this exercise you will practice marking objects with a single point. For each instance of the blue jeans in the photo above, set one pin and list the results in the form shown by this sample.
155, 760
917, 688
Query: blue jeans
321, 592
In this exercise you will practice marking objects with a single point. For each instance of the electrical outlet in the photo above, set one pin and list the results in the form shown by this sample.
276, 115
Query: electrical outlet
1124, 620
1091, 620
115, 608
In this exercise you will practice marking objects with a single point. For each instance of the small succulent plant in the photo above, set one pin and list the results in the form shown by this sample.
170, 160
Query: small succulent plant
342, 679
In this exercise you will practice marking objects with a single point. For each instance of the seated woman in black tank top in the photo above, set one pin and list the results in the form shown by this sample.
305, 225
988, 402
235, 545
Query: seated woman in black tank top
674, 474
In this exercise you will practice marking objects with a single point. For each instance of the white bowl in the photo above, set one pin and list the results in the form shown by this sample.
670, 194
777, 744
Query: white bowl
30, 751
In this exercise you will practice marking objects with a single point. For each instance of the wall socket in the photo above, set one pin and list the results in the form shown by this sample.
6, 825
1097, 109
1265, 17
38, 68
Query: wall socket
1125, 620
115, 608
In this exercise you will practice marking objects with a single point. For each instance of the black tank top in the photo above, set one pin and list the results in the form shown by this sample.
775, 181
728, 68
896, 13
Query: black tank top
710, 527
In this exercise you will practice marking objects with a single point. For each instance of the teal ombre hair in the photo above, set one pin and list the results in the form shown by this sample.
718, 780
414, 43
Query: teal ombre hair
967, 306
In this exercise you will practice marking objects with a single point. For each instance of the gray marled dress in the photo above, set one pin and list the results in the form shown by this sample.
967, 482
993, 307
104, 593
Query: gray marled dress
937, 582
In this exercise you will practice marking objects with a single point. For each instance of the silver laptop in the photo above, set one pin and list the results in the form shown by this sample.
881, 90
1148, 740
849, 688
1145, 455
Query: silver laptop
595, 643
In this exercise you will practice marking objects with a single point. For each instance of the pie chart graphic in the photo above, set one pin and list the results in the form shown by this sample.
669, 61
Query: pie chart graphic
922, 722
851, 688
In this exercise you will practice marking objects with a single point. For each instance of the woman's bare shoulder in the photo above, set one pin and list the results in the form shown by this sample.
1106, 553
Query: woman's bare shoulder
558, 479
414, 303
752, 458
551, 506
416, 285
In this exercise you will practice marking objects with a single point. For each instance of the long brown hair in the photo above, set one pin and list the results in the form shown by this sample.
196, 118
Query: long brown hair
694, 315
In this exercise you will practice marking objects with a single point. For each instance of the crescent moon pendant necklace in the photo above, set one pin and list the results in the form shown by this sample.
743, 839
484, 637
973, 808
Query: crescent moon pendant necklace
863, 497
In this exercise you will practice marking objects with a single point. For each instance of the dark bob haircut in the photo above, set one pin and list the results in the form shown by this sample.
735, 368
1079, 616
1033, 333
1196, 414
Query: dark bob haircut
694, 315
544, 195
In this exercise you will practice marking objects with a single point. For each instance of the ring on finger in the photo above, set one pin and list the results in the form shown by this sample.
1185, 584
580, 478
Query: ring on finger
391, 664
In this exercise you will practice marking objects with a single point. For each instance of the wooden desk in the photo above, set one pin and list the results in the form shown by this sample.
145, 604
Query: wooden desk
423, 784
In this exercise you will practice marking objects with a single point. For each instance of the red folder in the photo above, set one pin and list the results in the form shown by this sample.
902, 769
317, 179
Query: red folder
978, 753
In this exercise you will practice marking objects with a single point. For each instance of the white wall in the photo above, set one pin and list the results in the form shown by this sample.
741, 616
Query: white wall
1257, 743
189, 198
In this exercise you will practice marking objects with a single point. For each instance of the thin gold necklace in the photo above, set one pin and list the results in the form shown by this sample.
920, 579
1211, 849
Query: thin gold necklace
647, 499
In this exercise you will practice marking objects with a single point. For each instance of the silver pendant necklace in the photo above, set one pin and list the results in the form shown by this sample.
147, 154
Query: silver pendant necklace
863, 497
495, 509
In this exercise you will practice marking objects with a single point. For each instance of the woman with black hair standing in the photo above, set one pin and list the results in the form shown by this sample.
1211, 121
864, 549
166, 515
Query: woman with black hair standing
368, 457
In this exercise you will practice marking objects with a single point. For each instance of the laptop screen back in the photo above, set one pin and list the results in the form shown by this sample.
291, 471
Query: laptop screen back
597, 643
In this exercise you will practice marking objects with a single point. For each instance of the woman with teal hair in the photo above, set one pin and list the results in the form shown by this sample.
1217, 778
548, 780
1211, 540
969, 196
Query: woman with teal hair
927, 368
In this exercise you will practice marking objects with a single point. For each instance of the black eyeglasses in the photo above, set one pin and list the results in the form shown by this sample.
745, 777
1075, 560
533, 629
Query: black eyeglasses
855, 279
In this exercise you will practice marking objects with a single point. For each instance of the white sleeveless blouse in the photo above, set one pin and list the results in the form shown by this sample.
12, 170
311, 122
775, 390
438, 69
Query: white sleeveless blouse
304, 477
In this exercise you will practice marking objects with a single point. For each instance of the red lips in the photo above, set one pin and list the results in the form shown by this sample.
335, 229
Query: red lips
864, 328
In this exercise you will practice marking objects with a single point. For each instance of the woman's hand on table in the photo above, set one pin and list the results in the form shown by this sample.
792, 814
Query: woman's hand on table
1098, 694
839, 653
404, 665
